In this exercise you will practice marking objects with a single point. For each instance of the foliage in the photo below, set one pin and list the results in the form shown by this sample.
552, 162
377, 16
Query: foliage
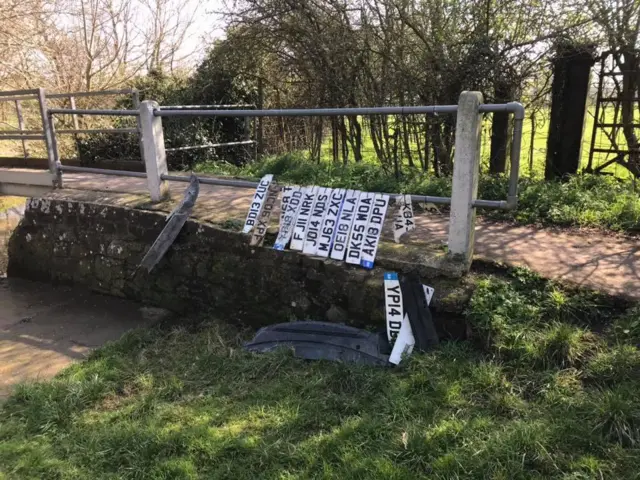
580, 201
76, 45
336, 53
531, 321
544, 397
214, 82
164, 89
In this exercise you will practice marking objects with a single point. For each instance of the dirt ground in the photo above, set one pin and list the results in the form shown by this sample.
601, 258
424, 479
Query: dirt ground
44, 328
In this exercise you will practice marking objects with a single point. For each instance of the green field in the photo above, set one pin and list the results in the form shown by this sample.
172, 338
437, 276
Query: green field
546, 388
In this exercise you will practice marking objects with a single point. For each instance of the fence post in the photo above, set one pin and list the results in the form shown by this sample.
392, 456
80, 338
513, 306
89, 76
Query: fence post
21, 127
49, 139
155, 159
135, 100
76, 126
466, 166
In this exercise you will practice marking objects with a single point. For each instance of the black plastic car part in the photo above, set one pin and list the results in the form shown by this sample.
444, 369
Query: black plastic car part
415, 306
313, 340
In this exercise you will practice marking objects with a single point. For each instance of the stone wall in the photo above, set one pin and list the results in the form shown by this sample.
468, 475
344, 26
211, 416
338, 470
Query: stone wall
208, 269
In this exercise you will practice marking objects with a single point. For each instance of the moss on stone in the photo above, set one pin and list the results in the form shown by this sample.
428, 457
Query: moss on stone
211, 267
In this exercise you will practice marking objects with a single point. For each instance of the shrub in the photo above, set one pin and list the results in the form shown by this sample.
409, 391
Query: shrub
211, 84
618, 415
620, 363
564, 345
525, 319
581, 201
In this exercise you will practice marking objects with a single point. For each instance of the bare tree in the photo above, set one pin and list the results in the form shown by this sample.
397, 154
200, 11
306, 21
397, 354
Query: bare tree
104, 31
364, 52
170, 25
19, 33
90, 44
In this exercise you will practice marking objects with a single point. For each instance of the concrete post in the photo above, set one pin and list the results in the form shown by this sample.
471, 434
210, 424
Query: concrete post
466, 167
155, 159
135, 100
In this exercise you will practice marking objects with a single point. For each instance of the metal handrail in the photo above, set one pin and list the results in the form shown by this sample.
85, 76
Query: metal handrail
102, 171
32, 94
514, 108
306, 112
13, 93
22, 137
18, 99
98, 130
224, 182
196, 107
114, 113
211, 145
250, 184
21, 132
97, 93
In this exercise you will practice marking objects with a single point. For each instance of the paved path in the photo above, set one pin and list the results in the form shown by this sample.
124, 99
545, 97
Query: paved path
595, 260
45, 328
591, 259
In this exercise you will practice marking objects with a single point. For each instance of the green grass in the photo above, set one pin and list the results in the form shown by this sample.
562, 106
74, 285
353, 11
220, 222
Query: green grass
583, 201
7, 202
536, 393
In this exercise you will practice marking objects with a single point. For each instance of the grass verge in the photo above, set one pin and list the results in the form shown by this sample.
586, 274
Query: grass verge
582, 201
536, 393
7, 202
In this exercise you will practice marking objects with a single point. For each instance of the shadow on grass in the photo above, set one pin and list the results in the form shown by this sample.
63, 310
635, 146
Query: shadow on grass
192, 404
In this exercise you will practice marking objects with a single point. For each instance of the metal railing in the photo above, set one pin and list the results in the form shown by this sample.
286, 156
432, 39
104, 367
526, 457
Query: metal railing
135, 113
468, 126
45, 134
205, 107
112, 113
19, 96
211, 145
247, 128
514, 108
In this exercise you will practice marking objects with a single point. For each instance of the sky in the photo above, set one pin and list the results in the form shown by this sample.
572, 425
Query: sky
208, 26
